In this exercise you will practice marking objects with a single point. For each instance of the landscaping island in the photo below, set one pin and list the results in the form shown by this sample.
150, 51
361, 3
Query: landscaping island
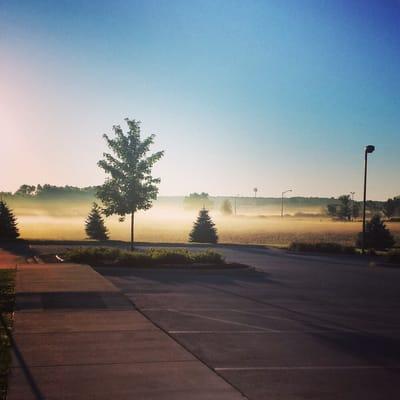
148, 258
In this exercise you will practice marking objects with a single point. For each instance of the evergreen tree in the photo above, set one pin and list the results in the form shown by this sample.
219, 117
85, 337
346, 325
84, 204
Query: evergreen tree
204, 230
377, 235
8, 223
130, 186
94, 224
226, 207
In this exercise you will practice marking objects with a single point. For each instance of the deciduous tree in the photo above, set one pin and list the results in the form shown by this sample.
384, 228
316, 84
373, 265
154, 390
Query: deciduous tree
130, 186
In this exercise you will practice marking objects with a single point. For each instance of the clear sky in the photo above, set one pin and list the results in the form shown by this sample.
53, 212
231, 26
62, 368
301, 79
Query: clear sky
273, 94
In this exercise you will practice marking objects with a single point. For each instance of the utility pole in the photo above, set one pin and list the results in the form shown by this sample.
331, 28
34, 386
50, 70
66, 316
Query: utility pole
368, 149
235, 202
352, 205
283, 193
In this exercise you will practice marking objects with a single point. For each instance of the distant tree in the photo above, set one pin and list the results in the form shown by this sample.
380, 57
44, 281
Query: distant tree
374, 207
377, 235
356, 210
331, 210
197, 200
204, 230
130, 186
8, 223
94, 224
226, 207
391, 207
344, 211
26, 190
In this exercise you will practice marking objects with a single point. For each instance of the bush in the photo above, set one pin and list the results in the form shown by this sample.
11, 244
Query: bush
377, 235
322, 247
226, 207
145, 258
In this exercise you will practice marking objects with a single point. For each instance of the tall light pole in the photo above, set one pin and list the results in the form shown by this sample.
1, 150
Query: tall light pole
283, 193
368, 149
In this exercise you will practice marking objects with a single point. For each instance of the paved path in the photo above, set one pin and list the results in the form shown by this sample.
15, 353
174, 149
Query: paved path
7, 260
78, 337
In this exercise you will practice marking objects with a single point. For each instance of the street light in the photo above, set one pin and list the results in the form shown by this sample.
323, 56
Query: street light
283, 193
368, 149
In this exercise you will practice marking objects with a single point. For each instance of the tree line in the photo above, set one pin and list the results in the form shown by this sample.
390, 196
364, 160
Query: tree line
129, 187
346, 209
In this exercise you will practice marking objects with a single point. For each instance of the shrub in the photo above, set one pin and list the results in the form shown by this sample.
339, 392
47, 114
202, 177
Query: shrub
108, 256
92, 255
322, 247
226, 207
377, 235
203, 229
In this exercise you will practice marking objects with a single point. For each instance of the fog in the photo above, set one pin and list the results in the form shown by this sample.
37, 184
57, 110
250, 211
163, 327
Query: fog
169, 221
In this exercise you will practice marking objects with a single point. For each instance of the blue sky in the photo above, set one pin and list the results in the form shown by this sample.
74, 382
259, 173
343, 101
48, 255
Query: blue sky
273, 94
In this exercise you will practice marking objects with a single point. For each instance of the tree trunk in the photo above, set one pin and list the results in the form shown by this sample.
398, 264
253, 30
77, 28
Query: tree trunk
132, 228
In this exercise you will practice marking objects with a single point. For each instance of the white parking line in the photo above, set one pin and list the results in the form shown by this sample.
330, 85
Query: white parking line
225, 321
214, 332
262, 315
259, 331
311, 368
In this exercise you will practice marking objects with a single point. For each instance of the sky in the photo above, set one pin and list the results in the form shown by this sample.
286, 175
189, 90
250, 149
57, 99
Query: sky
240, 94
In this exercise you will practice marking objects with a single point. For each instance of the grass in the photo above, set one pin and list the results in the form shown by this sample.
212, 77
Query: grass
7, 299
174, 227
322, 247
143, 258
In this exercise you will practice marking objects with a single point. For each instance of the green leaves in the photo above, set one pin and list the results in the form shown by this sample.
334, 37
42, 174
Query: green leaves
130, 186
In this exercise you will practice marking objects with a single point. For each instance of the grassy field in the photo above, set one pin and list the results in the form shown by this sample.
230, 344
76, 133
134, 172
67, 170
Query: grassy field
173, 224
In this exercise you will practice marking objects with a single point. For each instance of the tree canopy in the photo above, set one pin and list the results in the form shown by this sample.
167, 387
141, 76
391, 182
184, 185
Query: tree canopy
129, 185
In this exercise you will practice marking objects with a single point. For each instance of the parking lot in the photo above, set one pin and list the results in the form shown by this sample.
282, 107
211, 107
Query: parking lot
325, 335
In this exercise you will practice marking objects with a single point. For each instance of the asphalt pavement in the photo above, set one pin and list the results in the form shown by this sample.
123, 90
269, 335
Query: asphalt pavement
299, 327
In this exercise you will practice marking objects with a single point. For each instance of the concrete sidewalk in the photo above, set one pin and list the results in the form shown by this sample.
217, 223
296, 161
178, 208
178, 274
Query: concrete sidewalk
78, 337
7, 260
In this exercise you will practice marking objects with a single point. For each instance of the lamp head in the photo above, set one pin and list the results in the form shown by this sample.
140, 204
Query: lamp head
370, 148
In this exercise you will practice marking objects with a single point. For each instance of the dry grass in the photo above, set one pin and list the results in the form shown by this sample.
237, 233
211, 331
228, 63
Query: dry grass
174, 226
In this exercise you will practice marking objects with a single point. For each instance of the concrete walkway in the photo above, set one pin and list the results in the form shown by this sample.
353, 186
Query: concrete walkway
78, 337
7, 260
